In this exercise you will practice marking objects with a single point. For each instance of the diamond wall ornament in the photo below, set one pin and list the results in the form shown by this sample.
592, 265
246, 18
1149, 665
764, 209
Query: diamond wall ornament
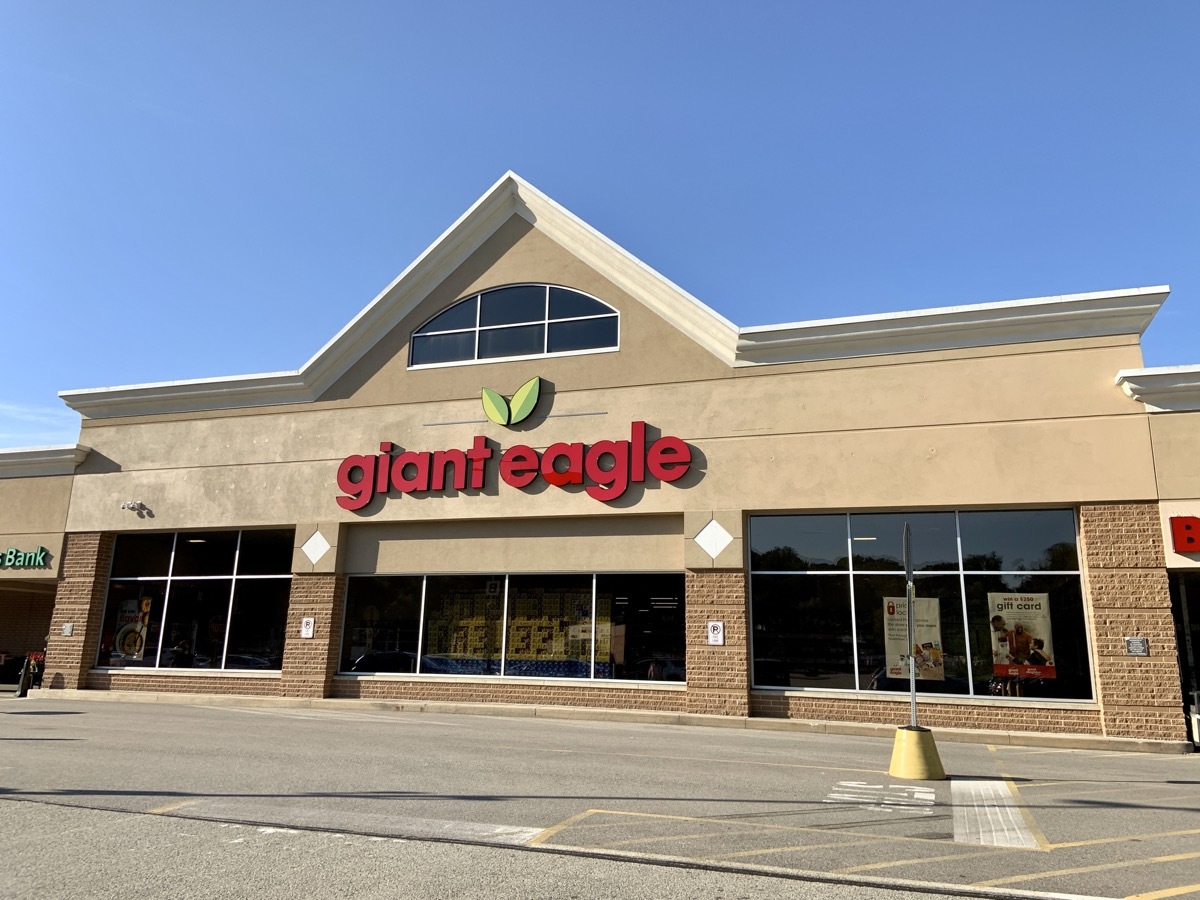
713, 538
315, 547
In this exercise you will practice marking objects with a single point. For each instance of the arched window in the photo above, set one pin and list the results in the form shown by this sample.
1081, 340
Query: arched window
516, 322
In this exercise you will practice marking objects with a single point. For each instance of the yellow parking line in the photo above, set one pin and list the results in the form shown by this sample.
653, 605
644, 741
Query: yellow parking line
761, 852
677, 837
918, 860
1126, 837
170, 807
555, 829
1167, 892
1126, 864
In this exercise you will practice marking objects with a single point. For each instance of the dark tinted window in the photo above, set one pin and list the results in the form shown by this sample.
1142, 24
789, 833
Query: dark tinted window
257, 624
586, 334
1019, 540
508, 306
460, 315
194, 633
383, 621
797, 543
524, 340
878, 540
478, 327
439, 348
142, 555
640, 627
566, 304
204, 553
802, 631
266, 552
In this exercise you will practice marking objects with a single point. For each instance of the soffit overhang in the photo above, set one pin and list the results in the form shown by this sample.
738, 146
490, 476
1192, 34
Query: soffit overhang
1106, 313
30, 462
1163, 389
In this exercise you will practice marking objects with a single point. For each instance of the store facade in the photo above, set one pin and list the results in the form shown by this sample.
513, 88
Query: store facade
535, 471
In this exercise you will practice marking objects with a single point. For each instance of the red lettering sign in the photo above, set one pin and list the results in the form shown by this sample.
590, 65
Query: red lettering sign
605, 469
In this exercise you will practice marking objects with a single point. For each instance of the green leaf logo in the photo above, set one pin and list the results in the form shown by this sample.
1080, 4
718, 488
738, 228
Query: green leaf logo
524, 400
495, 406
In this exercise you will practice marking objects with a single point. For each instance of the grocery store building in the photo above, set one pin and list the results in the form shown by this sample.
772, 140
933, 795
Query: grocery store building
535, 471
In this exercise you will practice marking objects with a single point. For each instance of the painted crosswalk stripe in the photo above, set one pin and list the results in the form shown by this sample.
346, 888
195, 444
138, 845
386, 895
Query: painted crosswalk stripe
985, 813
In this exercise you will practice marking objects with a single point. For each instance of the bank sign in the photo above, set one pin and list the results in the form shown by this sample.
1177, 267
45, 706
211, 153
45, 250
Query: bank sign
604, 469
12, 558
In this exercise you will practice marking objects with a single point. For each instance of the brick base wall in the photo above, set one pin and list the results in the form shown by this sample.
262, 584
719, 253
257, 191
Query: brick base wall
309, 663
79, 601
1129, 596
510, 692
718, 677
182, 684
1008, 717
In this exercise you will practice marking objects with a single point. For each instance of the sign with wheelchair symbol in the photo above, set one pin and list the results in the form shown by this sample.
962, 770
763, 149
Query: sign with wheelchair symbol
716, 634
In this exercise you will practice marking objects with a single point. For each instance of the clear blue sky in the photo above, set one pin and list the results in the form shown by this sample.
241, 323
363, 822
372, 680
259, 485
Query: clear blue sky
199, 189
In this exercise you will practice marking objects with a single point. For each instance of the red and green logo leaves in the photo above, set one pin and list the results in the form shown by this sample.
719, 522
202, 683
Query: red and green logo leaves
505, 412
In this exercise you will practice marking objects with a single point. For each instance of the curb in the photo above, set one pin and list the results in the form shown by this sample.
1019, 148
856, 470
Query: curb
600, 714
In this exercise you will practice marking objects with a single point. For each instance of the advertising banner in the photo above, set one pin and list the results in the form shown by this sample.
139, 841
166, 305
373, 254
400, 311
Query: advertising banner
927, 638
1021, 640
133, 622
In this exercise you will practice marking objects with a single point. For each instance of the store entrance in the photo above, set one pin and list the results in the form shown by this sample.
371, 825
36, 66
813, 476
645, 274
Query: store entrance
1185, 609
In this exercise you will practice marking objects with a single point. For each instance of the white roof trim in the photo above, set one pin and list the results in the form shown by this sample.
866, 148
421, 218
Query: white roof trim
1046, 318
510, 195
980, 325
27, 462
1163, 389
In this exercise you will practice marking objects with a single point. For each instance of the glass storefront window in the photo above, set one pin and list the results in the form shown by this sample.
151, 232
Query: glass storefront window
549, 626
1003, 617
462, 624
802, 633
197, 600
628, 627
383, 624
640, 627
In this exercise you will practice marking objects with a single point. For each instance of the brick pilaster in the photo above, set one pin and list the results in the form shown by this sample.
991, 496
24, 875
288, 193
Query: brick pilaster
310, 663
718, 678
79, 602
1129, 597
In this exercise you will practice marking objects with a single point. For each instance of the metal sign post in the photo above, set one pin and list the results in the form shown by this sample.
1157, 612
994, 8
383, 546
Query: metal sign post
910, 595
914, 754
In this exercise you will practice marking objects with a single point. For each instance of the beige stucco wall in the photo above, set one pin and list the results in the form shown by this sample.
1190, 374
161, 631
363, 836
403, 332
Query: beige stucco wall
651, 351
623, 544
34, 513
1045, 426
1176, 438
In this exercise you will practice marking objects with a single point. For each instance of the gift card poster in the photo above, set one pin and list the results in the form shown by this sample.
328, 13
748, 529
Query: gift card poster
1021, 641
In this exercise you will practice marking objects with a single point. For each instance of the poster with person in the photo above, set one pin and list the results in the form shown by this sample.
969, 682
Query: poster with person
1022, 645
926, 648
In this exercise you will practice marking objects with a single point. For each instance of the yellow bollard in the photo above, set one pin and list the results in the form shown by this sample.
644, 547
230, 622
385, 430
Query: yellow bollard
915, 755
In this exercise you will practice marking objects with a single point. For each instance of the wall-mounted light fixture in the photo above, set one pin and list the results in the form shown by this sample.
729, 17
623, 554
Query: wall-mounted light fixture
135, 505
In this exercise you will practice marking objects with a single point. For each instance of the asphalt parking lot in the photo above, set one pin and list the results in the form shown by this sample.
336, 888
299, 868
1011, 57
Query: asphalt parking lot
1009, 820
